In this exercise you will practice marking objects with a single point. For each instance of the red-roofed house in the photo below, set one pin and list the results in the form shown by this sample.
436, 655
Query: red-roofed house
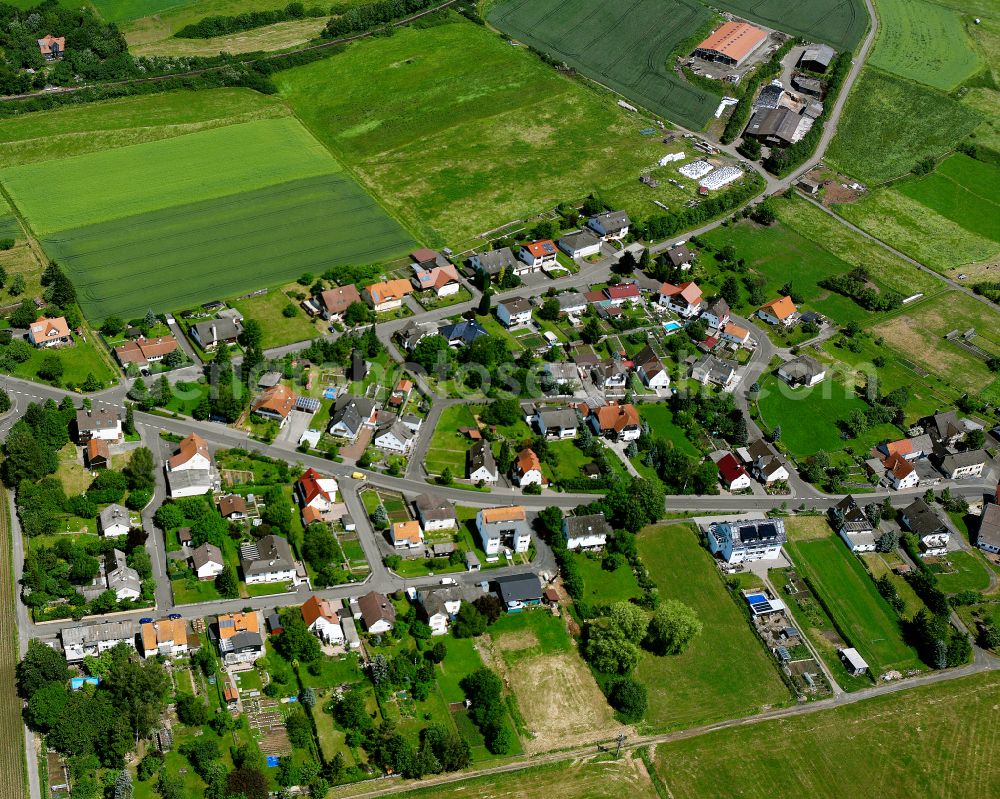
732, 474
684, 299
275, 404
901, 473
314, 491
321, 618
620, 422
536, 255
52, 47
781, 311
334, 302
527, 469
622, 293
50, 332
442, 280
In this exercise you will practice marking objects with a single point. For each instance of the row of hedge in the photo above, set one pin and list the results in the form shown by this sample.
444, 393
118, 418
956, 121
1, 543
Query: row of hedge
223, 25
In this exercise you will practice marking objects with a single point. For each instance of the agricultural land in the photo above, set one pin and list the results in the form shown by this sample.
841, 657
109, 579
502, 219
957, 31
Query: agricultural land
907, 740
839, 23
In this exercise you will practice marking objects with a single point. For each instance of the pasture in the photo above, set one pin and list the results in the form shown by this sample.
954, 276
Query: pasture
963, 190
872, 627
148, 177
809, 417
455, 146
926, 741
923, 234
624, 47
559, 701
919, 333
222, 247
579, 779
901, 121
925, 42
839, 23
725, 672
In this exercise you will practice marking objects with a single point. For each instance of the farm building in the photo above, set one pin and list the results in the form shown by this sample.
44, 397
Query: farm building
731, 43
817, 58
853, 662
774, 125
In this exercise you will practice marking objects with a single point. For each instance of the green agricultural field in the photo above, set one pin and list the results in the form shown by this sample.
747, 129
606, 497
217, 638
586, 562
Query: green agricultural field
926, 741
143, 40
197, 252
840, 23
922, 233
963, 190
925, 42
842, 583
725, 672
93, 127
901, 121
809, 417
581, 779
919, 331
143, 178
456, 146
624, 47
826, 231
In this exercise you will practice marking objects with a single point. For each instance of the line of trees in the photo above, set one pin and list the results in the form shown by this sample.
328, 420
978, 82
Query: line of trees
854, 284
220, 25
369, 16
660, 226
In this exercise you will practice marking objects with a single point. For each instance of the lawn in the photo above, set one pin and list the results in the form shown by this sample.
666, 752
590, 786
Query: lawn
278, 328
919, 333
625, 48
603, 587
725, 672
448, 446
809, 417
925, 42
966, 573
882, 564
926, 741
441, 138
579, 779
140, 178
901, 122
836, 22
963, 190
661, 425
462, 659
856, 607
566, 461
79, 362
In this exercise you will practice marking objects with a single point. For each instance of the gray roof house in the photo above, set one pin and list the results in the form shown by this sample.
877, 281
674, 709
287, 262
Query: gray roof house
350, 414
610, 224
802, 371
462, 333
571, 302
83, 640
586, 532
122, 578
412, 332
393, 436
709, 369
114, 520
434, 512
856, 529
558, 422
269, 560
775, 125
494, 261
580, 244
920, 518
210, 333
988, 534
480, 463
817, 57
518, 590
962, 465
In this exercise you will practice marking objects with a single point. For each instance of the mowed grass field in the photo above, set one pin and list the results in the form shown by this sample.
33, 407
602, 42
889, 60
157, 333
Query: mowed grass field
840, 23
937, 740
961, 189
925, 42
624, 47
148, 177
580, 779
203, 195
457, 145
448, 446
725, 672
872, 627
902, 121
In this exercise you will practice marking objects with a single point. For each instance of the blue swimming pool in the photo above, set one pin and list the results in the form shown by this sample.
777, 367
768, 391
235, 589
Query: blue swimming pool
754, 599
671, 327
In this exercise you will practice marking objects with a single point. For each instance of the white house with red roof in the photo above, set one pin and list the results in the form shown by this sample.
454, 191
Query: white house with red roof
44, 332
684, 299
315, 491
322, 620
732, 473
442, 280
535, 255
781, 311
623, 293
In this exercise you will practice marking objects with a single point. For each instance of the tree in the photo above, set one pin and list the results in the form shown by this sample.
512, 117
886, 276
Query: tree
491, 606
358, 313
318, 545
628, 696
295, 641
888, 541
672, 627
630, 619
140, 469
438, 652
503, 412
975, 439
609, 650
113, 326
763, 213
5, 403
591, 332
227, 583
149, 320
25, 314
446, 477
469, 622
549, 309
51, 367
192, 711
250, 782
484, 303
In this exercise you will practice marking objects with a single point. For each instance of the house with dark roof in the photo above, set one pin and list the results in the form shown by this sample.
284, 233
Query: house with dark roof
716, 315
611, 225
350, 415
393, 436
854, 526
766, 465
561, 422
920, 519
207, 561
494, 261
581, 244
817, 57
964, 465
377, 612
518, 591
571, 302
590, 531
680, 257
104, 424
946, 428
480, 464
268, 560
802, 371
710, 369
732, 474
514, 312
439, 606
463, 333
210, 334
774, 125
413, 332
435, 512
988, 532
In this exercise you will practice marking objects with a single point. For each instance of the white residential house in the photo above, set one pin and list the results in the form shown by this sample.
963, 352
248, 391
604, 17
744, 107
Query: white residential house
504, 526
322, 620
435, 513
765, 463
91, 640
268, 560
735, 334
586, 532
580, 244
802, 371
514, 313
377, 612
192, 453
101, 425
114, 520
745, 541
166, 637
684, 300
536, 255
440, 606
480, 463
933, 534
122, 578
964, 465
716, 315
854, 527
394, 436
557, 422
611, 225
207, 561
527, 469
780, 312
315, 491
988, 533
732, 473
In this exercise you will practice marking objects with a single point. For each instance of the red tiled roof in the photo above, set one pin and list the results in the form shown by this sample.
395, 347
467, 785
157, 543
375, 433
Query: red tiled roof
730, 469
734, 39
187, 449
781, 308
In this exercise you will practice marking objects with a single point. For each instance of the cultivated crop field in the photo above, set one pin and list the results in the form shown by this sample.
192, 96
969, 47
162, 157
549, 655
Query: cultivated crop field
457, 146
963, 190
12, 756
901, 121
925, 42
928, 741
856, 607
201, 208
624, 46
725, 673
840, 23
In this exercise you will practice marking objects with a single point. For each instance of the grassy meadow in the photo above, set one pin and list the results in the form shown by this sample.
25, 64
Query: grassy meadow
856, 607
454, 145
925, 42
725, 672
925, 741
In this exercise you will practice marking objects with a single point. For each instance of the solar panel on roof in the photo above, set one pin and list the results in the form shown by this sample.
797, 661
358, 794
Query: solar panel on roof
309, 404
